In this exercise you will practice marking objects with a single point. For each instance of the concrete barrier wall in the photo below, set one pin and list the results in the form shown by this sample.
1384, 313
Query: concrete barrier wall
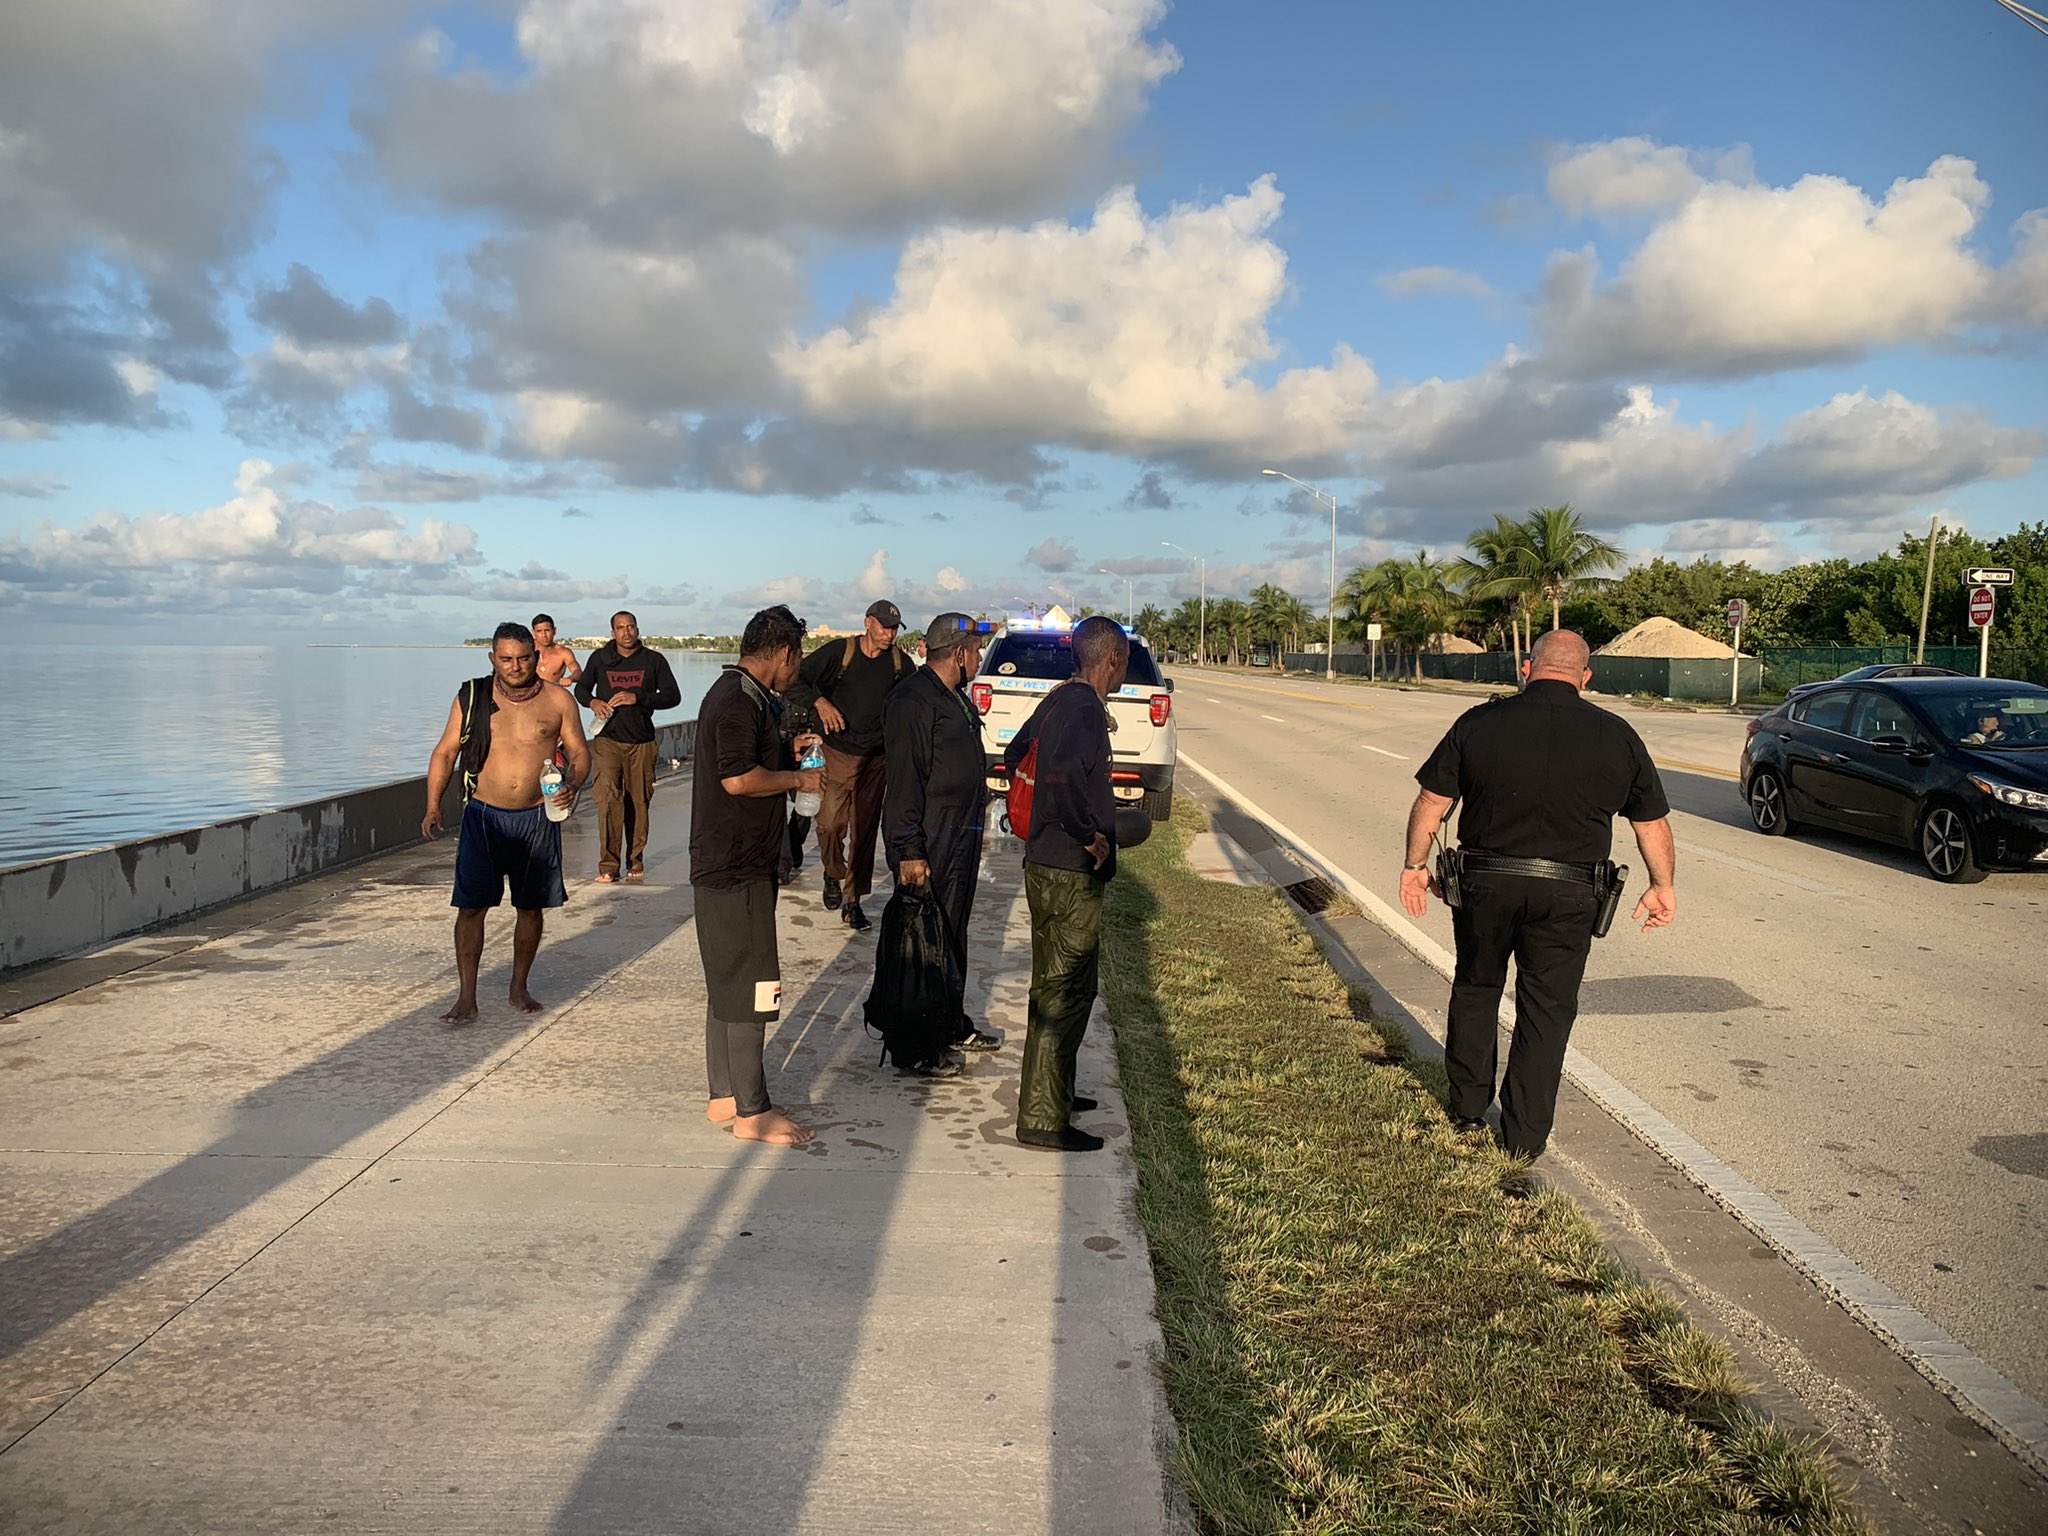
62, 906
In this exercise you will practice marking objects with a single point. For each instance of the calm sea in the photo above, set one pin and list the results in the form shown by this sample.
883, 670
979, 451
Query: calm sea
136, 741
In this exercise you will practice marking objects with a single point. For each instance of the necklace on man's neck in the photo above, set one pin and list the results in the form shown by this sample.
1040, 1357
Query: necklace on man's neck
524, 695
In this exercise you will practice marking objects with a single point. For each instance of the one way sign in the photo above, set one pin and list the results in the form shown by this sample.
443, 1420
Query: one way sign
1988, 576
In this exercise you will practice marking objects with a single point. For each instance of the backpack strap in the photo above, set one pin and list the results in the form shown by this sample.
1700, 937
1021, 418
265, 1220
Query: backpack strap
846, 656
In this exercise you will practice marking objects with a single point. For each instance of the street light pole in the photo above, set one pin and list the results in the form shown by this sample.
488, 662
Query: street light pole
1202, 613
1130, 604
1329, 645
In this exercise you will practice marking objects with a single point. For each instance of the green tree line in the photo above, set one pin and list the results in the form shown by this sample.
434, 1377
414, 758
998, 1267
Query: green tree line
1546, 569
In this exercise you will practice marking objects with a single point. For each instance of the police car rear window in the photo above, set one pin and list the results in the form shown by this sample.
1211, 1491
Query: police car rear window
1052, 656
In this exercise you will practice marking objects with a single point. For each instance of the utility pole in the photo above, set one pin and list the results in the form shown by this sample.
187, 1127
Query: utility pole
1927, 590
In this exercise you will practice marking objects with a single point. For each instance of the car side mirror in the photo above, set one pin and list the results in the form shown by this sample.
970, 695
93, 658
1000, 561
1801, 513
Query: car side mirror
1168, 683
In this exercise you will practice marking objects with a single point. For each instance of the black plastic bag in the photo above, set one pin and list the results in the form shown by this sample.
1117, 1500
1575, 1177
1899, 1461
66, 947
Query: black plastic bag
914, 1006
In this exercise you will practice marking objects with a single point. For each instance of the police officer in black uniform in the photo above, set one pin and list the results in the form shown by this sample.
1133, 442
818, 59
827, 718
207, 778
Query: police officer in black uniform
1542, 775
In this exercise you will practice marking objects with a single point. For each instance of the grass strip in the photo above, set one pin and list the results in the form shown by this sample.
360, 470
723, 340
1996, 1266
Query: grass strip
1368, 1329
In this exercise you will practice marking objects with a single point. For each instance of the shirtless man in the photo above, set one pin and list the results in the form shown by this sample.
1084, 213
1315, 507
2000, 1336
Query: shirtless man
557, 663
506, 835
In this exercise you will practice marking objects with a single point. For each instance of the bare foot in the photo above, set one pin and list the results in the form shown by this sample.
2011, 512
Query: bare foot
724, 1111
463, 1011
775, 1128
524, 1001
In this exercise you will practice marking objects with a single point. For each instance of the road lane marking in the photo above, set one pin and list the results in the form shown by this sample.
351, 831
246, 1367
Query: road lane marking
1713, 773
1798, 882
2017, 1419
1212, 701
1287, 693
1274, 718
1401, 757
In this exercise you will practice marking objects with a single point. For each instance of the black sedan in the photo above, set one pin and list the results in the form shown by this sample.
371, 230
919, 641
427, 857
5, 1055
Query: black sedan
1882, 670
1955, 768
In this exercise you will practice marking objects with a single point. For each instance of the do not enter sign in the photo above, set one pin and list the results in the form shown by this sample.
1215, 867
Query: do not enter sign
1981, 606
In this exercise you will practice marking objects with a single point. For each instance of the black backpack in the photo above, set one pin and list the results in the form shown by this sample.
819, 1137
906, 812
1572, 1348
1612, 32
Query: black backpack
914, 1005
479, 703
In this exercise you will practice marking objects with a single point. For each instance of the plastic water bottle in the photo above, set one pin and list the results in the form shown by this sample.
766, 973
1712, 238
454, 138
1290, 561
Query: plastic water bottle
551, 797
808, 800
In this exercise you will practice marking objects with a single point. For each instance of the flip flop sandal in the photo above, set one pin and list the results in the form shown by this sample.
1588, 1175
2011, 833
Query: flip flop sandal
607, 879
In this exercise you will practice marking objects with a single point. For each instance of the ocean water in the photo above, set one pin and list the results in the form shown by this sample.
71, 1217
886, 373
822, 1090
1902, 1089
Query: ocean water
122, 742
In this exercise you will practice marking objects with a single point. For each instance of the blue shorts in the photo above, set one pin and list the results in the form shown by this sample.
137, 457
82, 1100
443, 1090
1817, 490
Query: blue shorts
521, 846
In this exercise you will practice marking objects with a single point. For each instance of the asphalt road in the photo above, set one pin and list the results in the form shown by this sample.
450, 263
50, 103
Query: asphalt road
1866, 1044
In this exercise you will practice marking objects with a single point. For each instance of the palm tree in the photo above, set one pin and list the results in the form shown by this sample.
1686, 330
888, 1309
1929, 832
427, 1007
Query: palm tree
1298, 616
1151, 623
1497, 569
1270, 612
1561, 553
1229, 621
1411, 597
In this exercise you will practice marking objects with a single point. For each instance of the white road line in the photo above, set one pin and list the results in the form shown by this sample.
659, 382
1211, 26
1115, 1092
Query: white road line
2017, 1419
1212, 701
1274, 718
1399, 757
1695, 851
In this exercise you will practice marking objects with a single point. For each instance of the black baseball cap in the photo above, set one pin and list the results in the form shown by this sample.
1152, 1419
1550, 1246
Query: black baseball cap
886, 613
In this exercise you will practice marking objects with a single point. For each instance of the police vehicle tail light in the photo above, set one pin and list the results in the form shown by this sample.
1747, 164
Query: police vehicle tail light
983, 695
1124, 776
1162, 707
2011, 794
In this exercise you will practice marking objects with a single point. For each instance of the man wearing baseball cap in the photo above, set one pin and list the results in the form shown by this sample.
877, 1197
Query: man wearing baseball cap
936, 803
845, 685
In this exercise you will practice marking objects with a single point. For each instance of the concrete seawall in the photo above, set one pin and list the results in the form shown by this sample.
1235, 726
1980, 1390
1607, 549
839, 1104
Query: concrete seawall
68, 905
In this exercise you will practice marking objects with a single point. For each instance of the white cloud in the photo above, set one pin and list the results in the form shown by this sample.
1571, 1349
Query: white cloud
654, 120
1408, 283
1845, 466
1129, 334
259, 540
1745, 279
1622, 176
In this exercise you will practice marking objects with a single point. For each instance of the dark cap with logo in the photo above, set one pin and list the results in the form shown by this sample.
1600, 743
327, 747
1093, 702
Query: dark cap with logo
886, 613
951, 629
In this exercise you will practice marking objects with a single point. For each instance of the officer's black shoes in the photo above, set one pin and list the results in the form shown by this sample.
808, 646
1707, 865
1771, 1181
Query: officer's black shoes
978, 1040
831, 894
1464, 1125
856, 919
1083, 1102
1068, 1140
944, 1065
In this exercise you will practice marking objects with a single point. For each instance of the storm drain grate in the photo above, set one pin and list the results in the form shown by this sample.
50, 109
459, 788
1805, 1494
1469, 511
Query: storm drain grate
1312, 894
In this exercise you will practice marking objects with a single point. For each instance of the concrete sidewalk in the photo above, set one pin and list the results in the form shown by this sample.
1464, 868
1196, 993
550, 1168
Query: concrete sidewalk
279, 1251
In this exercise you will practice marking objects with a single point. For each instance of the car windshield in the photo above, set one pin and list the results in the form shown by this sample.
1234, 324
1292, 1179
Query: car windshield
1050, 654
1993, 719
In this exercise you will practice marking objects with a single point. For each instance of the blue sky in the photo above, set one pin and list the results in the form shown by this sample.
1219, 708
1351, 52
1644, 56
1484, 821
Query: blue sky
332, 316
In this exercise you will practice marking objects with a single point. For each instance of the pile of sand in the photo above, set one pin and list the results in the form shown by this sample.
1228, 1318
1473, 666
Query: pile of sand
1456, 645
1666, 638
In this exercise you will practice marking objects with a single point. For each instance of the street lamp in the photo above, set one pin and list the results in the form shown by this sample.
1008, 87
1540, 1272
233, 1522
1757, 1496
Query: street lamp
1130, 607
1330, 645
1202, 613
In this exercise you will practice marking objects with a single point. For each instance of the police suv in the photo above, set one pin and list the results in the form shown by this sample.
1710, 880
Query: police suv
1025, 662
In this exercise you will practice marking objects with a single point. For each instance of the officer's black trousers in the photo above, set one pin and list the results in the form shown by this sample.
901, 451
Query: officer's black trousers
1547, 927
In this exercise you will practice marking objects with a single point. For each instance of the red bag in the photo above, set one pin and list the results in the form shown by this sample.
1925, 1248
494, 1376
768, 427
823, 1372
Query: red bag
1017, 798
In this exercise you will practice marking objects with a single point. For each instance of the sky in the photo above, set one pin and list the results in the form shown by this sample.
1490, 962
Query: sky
371, 319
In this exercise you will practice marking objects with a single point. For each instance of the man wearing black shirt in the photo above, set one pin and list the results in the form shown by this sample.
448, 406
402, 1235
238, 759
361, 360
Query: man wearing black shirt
1069, 858
624, 683
937, 800
736, 833
1542, 776
847, 684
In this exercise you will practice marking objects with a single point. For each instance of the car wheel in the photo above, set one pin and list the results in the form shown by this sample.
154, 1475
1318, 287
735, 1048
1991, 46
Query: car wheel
1769, 811
1945, 845
1159, 804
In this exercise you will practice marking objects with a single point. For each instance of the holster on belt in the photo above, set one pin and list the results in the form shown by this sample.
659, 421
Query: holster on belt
1450, 876
1608, 879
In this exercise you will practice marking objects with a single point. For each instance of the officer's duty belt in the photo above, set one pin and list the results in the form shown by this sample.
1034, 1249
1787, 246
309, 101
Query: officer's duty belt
1538, 869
